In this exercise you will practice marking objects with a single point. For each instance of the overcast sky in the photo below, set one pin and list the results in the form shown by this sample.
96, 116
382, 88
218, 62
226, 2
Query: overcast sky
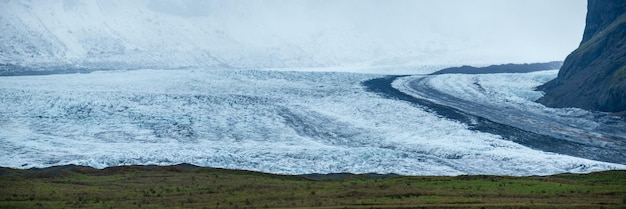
540, 30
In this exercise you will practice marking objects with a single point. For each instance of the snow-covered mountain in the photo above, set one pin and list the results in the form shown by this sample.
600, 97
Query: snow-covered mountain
280, 33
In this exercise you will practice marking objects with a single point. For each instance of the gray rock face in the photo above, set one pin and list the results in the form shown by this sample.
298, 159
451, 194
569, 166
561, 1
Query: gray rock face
594, 75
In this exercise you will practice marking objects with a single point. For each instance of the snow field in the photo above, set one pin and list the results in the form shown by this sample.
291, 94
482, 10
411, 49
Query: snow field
119, 34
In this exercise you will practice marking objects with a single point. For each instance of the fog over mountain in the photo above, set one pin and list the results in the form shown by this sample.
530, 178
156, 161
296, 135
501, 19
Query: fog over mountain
286, 33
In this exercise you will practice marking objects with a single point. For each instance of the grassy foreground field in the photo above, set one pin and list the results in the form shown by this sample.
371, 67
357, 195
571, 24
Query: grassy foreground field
186, 186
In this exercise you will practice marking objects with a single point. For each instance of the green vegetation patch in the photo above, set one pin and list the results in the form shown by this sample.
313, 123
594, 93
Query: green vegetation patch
185, 186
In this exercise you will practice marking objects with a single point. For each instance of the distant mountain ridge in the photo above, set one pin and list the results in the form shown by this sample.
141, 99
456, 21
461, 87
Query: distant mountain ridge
594, 75
504, 68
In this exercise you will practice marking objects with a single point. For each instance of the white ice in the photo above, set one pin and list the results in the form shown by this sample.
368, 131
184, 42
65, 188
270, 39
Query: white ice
509, 98
271, 121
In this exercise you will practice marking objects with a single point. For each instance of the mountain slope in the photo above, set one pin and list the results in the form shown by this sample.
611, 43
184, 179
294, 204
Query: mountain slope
594, 75
112, 34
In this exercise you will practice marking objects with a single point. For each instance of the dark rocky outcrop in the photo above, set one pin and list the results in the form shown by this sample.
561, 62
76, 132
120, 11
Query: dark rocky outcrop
594, 75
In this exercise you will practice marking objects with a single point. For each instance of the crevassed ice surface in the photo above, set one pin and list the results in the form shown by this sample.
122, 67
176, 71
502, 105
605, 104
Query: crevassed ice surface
509, 99
279, 122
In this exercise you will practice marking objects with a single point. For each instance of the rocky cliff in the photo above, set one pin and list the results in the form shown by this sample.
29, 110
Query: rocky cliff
594, 75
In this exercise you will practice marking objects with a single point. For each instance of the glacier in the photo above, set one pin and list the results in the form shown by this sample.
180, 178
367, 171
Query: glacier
508, 99
283, 122
277, 86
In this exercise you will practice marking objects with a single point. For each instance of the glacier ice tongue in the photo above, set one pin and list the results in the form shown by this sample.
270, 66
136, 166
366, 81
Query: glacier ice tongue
508, 98
271, 121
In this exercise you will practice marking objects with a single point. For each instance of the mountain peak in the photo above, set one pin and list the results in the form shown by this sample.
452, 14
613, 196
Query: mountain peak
594, 75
